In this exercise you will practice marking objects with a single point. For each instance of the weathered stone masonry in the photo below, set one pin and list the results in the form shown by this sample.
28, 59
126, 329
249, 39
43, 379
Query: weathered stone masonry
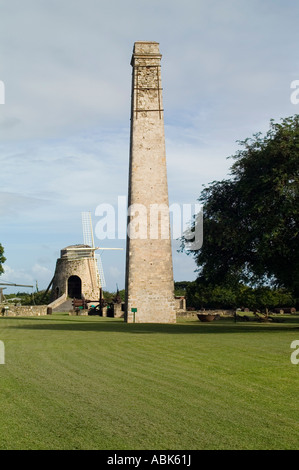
82, 269
149, 272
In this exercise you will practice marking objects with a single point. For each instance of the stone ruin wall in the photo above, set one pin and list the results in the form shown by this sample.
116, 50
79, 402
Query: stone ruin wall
23, 310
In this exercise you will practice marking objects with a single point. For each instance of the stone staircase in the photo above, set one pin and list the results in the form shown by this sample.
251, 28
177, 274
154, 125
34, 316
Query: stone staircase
64, 306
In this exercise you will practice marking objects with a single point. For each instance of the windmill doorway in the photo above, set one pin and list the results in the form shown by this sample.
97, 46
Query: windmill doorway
74, 287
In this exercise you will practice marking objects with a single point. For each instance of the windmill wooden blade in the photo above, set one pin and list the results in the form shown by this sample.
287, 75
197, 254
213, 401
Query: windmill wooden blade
88, 239
87, 229
100, 271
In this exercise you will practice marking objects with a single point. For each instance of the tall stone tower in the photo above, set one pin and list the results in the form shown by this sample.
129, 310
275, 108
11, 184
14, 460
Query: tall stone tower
149, 272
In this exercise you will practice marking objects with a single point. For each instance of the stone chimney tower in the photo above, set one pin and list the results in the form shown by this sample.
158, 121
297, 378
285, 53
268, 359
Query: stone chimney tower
149, 272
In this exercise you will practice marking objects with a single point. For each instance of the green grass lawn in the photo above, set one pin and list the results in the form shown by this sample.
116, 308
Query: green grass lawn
98, 383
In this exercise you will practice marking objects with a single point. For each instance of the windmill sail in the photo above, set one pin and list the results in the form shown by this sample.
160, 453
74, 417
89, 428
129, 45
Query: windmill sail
88, 239
100, 271
87, 229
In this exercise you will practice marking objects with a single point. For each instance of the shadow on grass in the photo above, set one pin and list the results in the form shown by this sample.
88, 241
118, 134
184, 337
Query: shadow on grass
103, 325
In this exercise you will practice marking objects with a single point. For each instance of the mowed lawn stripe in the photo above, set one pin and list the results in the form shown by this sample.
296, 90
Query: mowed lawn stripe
96, 383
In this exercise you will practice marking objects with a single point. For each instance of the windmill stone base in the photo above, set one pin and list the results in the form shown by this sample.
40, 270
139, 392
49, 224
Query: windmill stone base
75, 277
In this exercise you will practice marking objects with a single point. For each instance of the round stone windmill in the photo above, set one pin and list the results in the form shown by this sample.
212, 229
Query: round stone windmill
79, 273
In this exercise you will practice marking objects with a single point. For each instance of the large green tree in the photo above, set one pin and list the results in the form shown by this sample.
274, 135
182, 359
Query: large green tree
250, 221
2, 258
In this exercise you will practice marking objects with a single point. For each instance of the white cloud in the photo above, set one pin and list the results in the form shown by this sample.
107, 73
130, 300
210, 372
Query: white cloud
41, 271
17, 276
115, 272
226, 70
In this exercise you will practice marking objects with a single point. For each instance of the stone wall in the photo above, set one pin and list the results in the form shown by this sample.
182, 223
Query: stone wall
78, 313
193, 313
23, 311
180, 304
118, 310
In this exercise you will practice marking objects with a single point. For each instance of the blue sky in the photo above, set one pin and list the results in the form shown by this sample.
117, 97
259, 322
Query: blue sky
227, 68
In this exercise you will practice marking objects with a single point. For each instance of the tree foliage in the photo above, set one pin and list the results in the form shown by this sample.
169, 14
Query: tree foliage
2, 259
250, 221
111, 296
35, 298
202, 295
